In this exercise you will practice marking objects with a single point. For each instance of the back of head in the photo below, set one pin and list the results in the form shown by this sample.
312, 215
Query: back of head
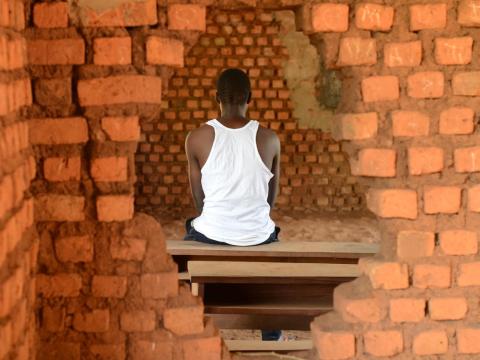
233, 87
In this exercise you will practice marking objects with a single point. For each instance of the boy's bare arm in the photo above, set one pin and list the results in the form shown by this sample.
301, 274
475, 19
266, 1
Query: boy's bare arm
275, 180
194, 171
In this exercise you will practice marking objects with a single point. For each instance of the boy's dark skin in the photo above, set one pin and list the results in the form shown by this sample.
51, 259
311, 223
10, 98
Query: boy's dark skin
199, 143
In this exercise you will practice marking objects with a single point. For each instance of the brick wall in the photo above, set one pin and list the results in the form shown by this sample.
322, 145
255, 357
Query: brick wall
315, 172
18, 241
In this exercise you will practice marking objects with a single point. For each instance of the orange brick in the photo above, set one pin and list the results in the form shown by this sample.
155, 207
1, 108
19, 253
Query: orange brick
112, 51
58, 131
467, 159
453, 51
458, 242
430, 342
50, 15
357, 309
356, 126
468, 13
138, 321
357, 51
431, 276
403, 54
53, 207
375, 162
428, 84
206, 348
165, 51
329, 17
383, 342
447, 308
62, 169
120, 90
467, 340
121, 128
186, 320
56, 52
474, 198
5, 339
97, 320
128, 248
442, 199
334, 345
114, 207
5, 13
407, 309
374, 17
428, 16
53, 318
159, 285
393, 203
466, 83
109, 351
110, 169
468, 274
380, 88
187, 17
457, 120
74, 248
152, 350
385, 275
109, 286
415, 244
59, 285
425, 160
57, 349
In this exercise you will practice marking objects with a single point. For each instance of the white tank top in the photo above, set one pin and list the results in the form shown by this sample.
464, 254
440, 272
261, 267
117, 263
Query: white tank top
235, 184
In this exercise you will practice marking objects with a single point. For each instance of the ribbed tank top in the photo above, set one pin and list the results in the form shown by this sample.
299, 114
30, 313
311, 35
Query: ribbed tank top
235, 183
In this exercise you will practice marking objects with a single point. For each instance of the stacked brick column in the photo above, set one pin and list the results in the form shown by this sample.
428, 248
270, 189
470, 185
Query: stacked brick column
18, 241
106, 287
412, 132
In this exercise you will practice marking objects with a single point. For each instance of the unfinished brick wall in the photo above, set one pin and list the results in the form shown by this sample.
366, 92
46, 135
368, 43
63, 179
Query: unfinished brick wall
409, 114
18, 241
315, 171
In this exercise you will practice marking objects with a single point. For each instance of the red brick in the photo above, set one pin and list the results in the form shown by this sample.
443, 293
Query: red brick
186, 320
187, 17
428, 16
50, 15
403, 54
74, 248
53, 318
334, 345
58, 131
357, 51
385, 275
442, 199
57, 350
407, 310
138, 321
121, 128
356, 126
468, 13
54, 207
165, 51
375, 162
468, 274
453, 51
112, 51
159, 285
97, 320
120, 90
152, 350
474, 198
329, 17
467, 340
430, 342
110, 169
431, 276
56, 52
109, 351
467, 159
5, 13
383, 342
53, 92
457, 120
127, 248
447, 308
109, 286
5, 339
458, 242
4, 52
466, 83
114, 207
380, 88
374, 17
62, 169
425, 160
415, 244
428, 84
119, 14
393, 203
206, 348
357, 308
59, 285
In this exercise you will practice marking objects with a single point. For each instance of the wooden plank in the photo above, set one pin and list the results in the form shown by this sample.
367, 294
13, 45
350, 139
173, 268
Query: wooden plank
272, 308
275, 346
262, 322
183, 276
304, 249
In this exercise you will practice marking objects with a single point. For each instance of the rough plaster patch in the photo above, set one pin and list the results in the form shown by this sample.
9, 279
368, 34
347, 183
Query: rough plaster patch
101, 5
302, 70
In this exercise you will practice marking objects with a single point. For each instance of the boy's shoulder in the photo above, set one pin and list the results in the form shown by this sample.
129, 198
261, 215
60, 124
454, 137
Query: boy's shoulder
267, 135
